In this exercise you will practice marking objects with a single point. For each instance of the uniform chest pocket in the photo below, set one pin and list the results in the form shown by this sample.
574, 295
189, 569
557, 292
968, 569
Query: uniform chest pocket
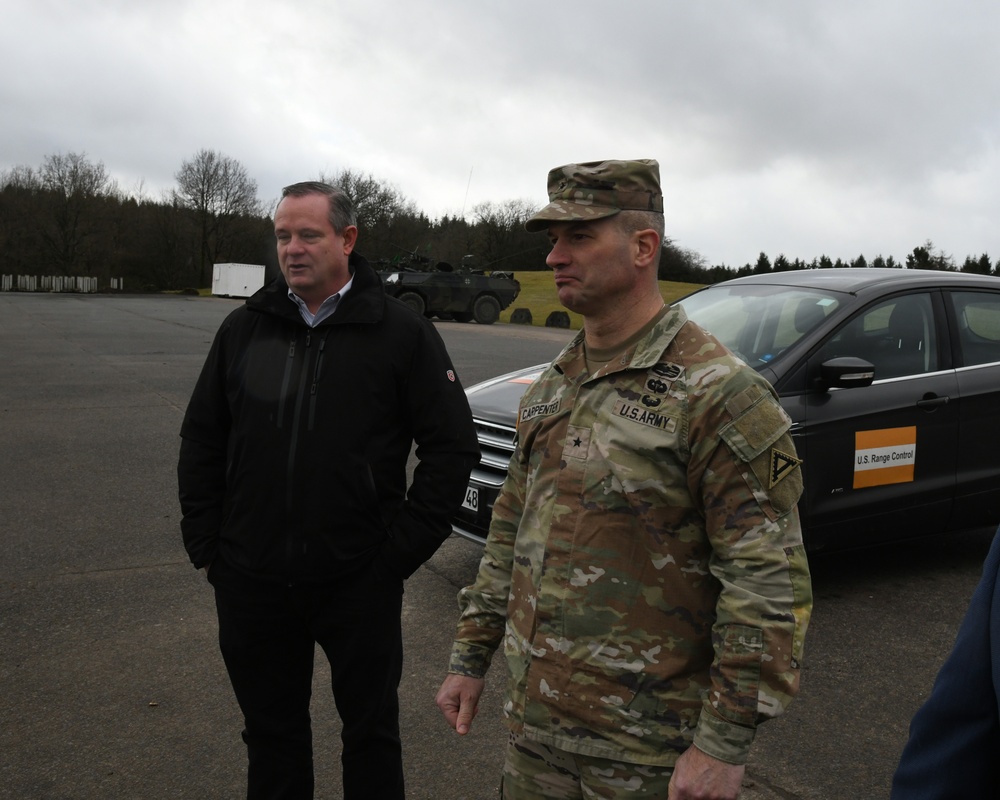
638, 453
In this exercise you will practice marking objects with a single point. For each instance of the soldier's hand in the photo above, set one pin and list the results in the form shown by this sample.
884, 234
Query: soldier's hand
698, 776
458, 699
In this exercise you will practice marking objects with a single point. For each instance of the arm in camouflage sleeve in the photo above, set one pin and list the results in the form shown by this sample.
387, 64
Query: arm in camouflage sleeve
483, 605
750, 483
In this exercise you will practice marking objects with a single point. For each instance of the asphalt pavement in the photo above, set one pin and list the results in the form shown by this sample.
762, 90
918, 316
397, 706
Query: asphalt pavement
112, 685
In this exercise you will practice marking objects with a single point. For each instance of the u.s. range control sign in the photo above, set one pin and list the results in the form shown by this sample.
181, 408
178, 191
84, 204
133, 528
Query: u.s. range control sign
884, 456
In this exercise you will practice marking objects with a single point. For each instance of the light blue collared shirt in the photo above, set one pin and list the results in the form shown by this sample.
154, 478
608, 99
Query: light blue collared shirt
326, 308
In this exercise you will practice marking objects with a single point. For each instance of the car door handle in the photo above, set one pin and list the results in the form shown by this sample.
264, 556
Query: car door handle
931, 402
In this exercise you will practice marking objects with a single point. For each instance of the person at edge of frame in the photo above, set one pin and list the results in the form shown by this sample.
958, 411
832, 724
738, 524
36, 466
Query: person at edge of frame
954, 741
644, 572
292, 481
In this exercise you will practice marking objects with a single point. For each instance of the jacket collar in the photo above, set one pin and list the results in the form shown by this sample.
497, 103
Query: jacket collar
365, 303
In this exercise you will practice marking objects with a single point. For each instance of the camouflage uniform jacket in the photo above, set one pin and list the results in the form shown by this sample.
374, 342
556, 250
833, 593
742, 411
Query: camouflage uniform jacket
644, 571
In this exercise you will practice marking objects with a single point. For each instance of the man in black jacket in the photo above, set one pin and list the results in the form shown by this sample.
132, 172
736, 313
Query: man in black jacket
292, 478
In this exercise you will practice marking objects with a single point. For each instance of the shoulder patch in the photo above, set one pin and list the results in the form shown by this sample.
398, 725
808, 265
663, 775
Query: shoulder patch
758, 437
782, 465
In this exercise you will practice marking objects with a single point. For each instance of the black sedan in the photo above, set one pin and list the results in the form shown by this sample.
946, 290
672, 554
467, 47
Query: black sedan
891, 378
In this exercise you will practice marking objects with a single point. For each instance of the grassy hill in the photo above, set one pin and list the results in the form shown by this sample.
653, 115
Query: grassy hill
538, 295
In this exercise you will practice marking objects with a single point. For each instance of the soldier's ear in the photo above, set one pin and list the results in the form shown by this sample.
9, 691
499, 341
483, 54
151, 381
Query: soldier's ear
646, 245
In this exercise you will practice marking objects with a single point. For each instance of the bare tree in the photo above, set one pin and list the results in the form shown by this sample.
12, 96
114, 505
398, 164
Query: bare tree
222, 196
72, 174
500, 228
73, 187
20, 217
20, 178
375, 201
385, 216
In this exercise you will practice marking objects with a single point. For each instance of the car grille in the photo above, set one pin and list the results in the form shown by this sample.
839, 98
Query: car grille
496, 443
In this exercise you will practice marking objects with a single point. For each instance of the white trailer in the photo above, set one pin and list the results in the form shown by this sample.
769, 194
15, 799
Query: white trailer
237, 280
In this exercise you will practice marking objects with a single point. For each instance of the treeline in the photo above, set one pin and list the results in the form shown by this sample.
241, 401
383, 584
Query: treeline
692, 269
69, 217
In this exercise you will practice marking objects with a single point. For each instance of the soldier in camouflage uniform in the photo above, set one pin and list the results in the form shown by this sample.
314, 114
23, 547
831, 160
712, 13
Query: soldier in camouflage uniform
644, 572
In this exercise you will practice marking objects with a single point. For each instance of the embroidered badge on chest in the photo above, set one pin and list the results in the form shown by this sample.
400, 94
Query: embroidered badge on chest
667, 371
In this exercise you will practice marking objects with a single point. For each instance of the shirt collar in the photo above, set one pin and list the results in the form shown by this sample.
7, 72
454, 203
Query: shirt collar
326, 308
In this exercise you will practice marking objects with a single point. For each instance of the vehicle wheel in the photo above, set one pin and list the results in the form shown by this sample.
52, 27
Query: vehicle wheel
486, 309
463, 316
414, 301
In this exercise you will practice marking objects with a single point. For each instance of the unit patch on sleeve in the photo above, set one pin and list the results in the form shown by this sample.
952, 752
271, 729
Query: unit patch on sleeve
782, 465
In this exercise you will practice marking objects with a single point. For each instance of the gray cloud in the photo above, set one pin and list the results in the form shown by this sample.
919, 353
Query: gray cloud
803, 128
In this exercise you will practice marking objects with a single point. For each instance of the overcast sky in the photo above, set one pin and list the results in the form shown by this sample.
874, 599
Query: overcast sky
837, 127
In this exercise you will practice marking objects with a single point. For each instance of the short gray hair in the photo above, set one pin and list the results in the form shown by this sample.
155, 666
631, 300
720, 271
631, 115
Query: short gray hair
633, 221
342, 213
630, 222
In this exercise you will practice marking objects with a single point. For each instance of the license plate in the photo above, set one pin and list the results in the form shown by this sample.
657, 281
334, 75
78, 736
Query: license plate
471, 500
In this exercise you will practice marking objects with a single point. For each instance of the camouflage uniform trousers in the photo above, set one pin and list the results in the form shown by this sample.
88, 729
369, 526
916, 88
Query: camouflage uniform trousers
534, 771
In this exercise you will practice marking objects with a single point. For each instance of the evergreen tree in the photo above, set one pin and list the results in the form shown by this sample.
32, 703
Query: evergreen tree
763, 265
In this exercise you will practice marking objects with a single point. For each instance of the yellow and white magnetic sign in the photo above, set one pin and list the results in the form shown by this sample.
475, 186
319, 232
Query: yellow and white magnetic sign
884, 456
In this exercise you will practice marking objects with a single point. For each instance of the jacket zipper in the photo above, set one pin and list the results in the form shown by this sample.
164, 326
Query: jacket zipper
285, 381
314, 389
294, 440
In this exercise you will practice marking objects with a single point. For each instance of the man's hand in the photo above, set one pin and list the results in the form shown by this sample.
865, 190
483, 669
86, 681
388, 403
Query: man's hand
458, 699
698, 776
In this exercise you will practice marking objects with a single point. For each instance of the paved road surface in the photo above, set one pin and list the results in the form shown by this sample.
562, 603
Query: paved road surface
112, 686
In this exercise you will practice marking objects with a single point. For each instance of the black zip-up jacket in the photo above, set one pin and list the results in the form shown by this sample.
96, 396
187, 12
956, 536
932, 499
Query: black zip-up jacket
295, 441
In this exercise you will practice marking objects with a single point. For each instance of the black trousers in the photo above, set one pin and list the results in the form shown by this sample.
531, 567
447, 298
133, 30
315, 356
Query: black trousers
268, 633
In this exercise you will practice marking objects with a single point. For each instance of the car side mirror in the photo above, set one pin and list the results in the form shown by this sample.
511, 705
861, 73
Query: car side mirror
846, 372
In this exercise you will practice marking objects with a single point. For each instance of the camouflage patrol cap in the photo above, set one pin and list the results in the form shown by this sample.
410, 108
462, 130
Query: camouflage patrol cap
597, 189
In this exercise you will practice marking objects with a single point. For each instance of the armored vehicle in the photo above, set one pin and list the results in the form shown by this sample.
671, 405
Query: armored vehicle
441, 291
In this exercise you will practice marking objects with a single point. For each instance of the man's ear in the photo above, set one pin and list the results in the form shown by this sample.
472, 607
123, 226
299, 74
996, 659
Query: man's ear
647, 245
350, 235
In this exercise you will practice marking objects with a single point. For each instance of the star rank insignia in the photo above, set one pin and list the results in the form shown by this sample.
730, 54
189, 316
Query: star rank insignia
577, 442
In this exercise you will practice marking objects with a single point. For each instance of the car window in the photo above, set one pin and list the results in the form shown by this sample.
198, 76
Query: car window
978, 316
758, 321
896, 336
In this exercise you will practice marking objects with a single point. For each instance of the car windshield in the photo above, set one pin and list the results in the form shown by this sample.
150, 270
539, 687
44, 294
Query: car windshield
759, 321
